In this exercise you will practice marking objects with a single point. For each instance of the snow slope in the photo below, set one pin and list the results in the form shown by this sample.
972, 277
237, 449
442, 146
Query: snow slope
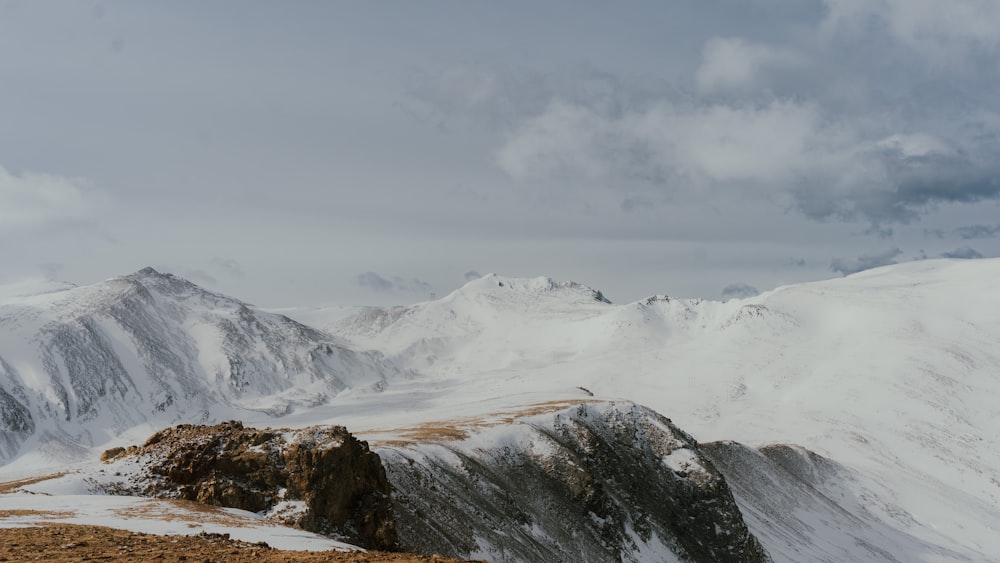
39, 505
85, 366
892, 373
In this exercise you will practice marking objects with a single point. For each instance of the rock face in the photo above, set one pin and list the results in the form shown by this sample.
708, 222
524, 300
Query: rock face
321, 479
595, 482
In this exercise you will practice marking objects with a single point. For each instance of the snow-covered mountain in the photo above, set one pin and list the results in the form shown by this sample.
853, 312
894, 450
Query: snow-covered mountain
893, 373
81, 365
854, 419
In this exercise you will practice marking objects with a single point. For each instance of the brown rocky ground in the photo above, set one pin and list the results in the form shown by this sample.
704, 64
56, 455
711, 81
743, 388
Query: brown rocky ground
341, 482
70, 542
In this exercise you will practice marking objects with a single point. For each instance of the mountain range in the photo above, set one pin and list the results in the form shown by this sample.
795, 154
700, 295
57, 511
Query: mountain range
854, 419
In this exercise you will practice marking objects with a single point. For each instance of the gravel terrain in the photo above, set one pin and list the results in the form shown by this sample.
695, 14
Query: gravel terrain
68, 542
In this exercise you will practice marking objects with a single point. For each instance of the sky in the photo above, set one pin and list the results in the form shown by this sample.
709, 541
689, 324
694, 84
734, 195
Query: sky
306, 152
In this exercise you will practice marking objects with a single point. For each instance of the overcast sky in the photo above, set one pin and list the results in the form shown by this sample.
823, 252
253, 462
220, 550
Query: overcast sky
293, 153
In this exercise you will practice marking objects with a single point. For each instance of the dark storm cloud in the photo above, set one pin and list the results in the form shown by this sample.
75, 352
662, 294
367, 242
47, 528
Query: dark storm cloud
848, 266
964, 253
739, 291
377, 282
903, 188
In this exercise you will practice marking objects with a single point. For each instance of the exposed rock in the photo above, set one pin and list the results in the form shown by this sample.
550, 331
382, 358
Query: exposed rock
587, 482
321, 479
596, 482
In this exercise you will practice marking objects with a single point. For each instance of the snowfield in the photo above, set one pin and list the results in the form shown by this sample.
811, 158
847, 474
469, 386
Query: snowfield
886, 384
71, 500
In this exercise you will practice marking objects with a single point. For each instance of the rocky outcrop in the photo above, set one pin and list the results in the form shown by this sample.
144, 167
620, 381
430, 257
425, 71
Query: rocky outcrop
321, 479
595, 482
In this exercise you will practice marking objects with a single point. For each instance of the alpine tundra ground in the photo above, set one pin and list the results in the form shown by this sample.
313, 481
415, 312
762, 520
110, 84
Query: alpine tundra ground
69, 542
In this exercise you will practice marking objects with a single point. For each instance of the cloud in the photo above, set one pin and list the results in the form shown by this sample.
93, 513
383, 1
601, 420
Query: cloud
784, 150
733, 64
967, 232
848, 266
920, 25
964, 253
32, 199
379, 283
739, 291
52, 270
797, 262
978, 231
375, 282
472, 275
682, 146
199, 275
228, 266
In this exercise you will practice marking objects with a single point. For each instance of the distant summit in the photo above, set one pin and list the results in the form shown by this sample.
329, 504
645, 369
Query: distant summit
84, 362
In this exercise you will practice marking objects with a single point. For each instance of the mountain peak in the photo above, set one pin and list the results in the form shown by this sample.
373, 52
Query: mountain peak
496, 285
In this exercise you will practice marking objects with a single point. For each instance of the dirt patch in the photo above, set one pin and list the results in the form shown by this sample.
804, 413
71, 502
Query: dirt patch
189, 511
17, 513
70, 542
431, 432
459, 429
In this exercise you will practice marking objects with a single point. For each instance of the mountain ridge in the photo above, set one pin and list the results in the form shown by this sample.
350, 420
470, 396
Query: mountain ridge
151, 346
889, 373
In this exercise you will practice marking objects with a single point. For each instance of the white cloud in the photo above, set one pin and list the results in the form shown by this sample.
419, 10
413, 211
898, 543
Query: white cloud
939, 31
914, 145
31, 199
566, 139
689, 147
791, 151
742, 143
732, 64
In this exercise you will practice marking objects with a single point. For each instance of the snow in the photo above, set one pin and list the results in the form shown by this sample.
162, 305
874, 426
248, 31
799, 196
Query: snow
161, 517
891, 373
683, 461
287, 509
